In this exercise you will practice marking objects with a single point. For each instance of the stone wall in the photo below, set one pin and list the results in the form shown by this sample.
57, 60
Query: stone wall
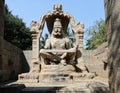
13, 62
95, 60
12, 59
112, 12
28, 56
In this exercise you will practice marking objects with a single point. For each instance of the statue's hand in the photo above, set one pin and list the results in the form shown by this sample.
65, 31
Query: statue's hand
63, 55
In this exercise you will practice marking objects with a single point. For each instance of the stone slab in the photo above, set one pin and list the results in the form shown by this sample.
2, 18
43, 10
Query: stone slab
78, 87
14, 88
55, 90
61, 51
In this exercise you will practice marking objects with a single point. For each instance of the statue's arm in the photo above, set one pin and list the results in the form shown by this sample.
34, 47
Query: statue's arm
68, 43
47, 44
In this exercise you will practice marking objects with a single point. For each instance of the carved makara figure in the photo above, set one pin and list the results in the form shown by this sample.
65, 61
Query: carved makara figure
58, 47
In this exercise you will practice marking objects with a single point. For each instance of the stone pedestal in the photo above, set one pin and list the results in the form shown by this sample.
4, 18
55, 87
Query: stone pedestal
61, 74
29, 77
79, 87
56, 73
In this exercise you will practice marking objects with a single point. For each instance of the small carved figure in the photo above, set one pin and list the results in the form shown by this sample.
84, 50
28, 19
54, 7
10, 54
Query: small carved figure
34, 26
78, 28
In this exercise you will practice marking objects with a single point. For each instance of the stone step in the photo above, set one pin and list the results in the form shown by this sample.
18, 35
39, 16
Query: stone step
55, 90
81, 87
45, 77
14, 88
57, 68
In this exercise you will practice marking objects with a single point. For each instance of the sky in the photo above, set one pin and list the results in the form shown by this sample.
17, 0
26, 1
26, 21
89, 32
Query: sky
85, 11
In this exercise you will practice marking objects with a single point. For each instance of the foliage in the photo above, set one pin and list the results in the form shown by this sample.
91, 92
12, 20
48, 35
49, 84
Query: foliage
15, 31
43, 39
97, 33
70, 35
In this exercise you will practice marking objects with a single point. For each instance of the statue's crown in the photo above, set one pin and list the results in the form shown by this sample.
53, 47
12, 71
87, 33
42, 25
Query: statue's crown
57, 8
57, 23
57, 18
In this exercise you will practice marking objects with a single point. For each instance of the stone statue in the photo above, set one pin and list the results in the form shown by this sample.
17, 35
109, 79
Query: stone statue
55, 46
58, 61
34, 26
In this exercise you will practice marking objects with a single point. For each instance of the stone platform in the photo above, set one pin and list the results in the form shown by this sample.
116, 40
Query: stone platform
56, 73
62, 73
75, 87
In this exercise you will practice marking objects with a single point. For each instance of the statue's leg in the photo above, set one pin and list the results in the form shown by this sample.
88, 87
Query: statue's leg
47, 61
68, 58
50, 58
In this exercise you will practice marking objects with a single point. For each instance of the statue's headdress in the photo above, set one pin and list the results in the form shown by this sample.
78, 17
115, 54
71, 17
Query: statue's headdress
57, 23
57, 18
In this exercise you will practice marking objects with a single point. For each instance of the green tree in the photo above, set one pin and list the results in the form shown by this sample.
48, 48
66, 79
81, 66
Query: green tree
70, 35
16, 31
43, 39
97, 33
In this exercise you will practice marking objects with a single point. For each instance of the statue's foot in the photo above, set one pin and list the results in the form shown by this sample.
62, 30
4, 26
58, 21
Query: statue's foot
63, 62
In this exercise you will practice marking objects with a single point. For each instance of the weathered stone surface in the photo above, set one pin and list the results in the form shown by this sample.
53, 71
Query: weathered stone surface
28, 56
113, 33
96, 60
63, 90
11, 58
97, 87
13, 61
74, 90
82, 76
14, 88
29, 77
56, 73
57, 68
83, 86
39, 90
78, 87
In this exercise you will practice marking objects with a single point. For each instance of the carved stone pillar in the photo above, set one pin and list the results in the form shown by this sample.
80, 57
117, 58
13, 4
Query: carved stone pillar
35, 62
78, 32
35, 66
35, 47
79, 39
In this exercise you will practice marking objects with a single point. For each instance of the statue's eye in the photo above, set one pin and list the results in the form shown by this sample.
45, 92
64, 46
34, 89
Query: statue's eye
59, 30
55, 30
